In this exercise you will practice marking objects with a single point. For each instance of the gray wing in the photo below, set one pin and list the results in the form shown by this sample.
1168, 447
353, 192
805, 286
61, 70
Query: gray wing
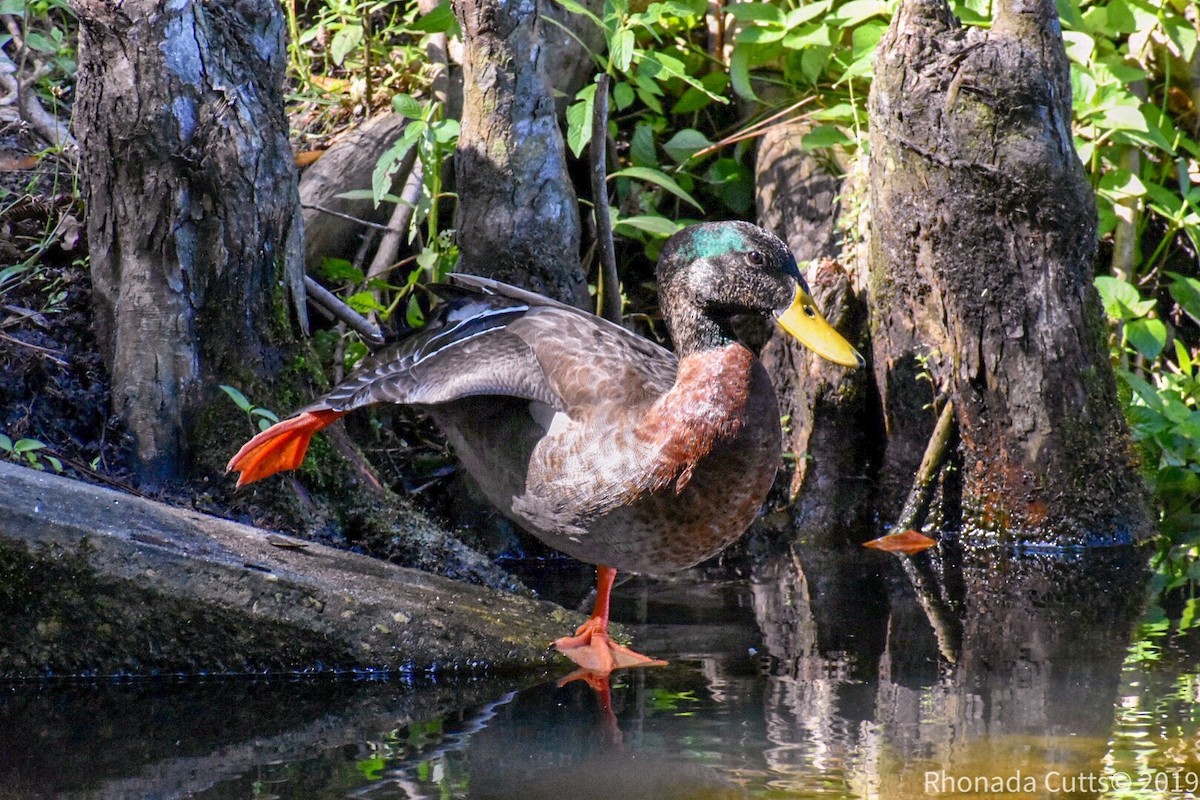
497, 339
467, 352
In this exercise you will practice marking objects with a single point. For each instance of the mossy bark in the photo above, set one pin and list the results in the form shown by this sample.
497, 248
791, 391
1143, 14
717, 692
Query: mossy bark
193, 220
832, 436
983, 239
517, 218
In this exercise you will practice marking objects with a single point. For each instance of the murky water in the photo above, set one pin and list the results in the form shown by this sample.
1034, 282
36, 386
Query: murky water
824, 674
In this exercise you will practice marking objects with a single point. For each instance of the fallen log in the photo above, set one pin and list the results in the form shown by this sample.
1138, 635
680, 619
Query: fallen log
96, 582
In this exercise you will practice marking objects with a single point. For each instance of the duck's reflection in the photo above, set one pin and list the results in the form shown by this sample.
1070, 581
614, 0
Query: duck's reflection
581, 752
598, 681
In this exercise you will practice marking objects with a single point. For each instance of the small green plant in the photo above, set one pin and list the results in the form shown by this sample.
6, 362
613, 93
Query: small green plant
28, 452
260, 417
1161, 390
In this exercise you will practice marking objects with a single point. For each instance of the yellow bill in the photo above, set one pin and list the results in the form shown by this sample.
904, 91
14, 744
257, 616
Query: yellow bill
805, 322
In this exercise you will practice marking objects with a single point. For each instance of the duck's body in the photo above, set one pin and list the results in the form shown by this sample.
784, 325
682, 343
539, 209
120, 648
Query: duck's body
600, 443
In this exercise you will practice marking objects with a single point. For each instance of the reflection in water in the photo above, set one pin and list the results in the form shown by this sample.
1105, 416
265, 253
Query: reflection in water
829, 674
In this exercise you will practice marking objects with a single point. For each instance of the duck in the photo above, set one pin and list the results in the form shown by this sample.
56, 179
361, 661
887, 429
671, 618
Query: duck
602, 444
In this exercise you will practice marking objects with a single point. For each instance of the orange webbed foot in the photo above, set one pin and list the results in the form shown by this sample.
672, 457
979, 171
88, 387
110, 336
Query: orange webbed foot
280, 447
594, 650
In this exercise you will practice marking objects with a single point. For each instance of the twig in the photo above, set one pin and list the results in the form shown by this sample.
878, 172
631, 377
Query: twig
608, 287
919, 567
365, 223
916, 506
79, 466
324, 298
757, 129
716, 31
389, 243
53, 355
20, 90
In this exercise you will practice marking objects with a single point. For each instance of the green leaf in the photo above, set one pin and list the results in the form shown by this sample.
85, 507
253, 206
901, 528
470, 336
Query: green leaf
265, 413
389, 162
621, 53
824, 136
407, 106
658, 178
659, 226
238, 398
413, 314
364, 302
54, 462
1186, 291
345, 41
761, 34
1119, 184
14, 7
27, 445
685, 143
808, 36
445, 131
340, 269
641, 147
579, 119
40, 43
739, 73
6, 443
623, 96
661, 64
1121, 300
1123, 118
439, 20
1148, 336
1079, 46
850, 14
755, 12
581, 10
694, 99
798, 16
1068, 12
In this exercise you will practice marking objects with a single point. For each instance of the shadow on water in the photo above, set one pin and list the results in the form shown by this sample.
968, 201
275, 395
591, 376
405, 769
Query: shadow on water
827, 674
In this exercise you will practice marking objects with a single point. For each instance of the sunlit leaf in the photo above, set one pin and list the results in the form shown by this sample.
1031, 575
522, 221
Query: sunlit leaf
1148, 336
658, 178
1186, 291
659, 226
685, 143
439, 20
345, 41
238, 398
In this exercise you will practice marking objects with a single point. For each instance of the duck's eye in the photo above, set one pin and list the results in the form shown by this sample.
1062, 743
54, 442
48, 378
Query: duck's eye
756, 258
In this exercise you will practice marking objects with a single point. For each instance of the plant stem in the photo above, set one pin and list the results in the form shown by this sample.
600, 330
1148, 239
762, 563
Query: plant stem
608, 287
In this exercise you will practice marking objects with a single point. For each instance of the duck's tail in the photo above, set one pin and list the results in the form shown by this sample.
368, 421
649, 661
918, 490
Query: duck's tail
280, 447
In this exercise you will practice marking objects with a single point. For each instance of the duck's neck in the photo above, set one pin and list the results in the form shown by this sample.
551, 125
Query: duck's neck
693, 332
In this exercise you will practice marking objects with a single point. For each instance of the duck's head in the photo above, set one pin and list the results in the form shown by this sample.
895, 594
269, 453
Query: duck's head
710, 273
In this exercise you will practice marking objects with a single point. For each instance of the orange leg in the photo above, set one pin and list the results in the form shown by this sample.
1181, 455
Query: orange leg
591, 647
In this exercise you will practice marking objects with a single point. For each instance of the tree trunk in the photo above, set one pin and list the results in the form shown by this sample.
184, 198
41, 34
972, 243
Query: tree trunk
831, 432
517, 215
193, 221
982, 247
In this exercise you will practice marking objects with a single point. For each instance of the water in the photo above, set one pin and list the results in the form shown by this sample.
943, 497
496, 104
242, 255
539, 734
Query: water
820, 674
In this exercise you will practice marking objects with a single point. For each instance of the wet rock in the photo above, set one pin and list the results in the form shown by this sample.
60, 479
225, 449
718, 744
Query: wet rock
97, 582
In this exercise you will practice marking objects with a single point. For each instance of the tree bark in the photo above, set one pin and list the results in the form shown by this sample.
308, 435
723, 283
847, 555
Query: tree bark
983, 240
193, 220
517, 218
832, 431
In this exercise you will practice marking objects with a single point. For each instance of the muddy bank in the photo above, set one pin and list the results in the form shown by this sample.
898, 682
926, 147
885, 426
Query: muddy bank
97, 582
